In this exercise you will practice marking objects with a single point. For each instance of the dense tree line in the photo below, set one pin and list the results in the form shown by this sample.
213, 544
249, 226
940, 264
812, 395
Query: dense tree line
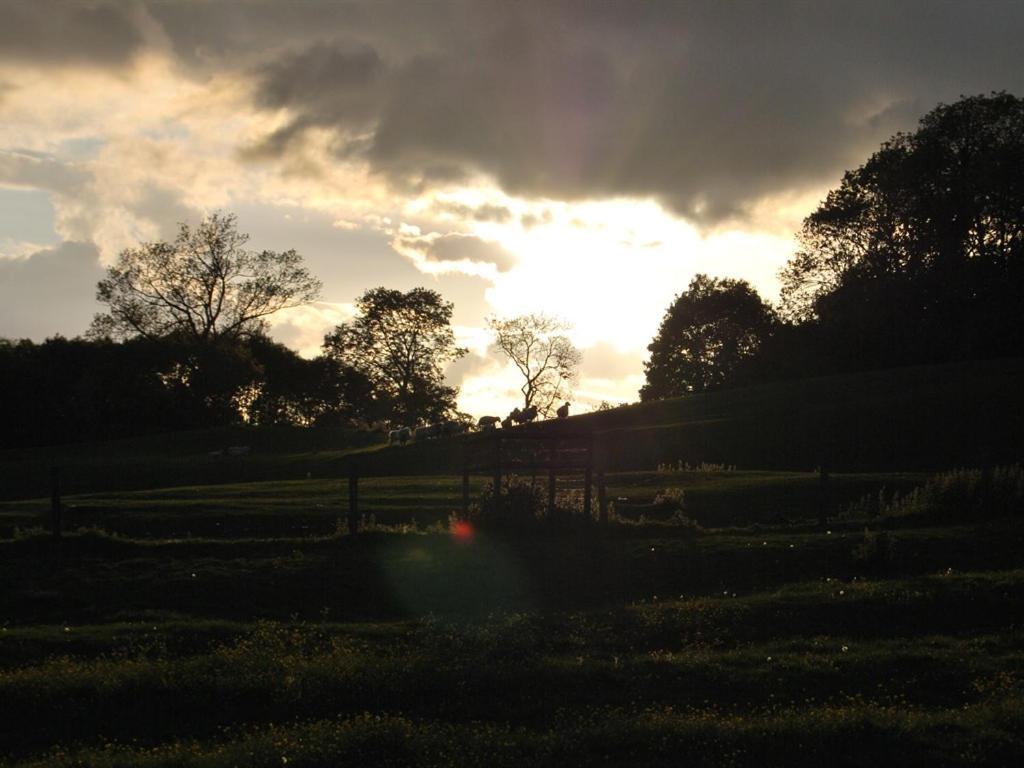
917, 257
67, 390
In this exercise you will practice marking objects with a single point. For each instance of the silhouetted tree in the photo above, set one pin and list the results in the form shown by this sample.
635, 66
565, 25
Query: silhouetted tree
918, 255
709, 337
204, 286
401, 343
544, 356
205, 297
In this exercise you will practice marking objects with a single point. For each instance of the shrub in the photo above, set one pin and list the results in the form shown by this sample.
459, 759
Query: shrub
963, 495
524, 508
704, 466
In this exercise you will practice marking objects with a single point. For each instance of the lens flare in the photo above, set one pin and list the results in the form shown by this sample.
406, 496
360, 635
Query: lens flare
462, 531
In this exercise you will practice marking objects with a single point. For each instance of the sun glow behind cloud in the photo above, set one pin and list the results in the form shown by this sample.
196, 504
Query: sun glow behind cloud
609, 268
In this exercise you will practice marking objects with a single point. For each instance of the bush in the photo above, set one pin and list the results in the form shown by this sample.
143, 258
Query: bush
964, 495
524, 507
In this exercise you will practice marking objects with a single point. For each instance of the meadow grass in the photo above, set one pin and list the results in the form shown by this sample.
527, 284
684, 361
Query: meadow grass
236, 623
905, 655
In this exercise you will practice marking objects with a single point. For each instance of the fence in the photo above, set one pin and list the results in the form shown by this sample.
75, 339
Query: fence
500, 453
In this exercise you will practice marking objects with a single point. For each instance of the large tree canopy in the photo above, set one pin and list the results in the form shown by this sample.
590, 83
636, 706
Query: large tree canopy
401, 342
919, 253
205, 286
708, 335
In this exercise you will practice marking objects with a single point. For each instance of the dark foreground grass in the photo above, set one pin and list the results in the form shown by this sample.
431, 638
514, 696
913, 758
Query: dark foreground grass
699, 679
909, 670
639, 645
837, 735
88, 578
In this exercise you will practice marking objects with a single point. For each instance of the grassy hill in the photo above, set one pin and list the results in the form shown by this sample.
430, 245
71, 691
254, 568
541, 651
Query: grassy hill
919, 418
922, 418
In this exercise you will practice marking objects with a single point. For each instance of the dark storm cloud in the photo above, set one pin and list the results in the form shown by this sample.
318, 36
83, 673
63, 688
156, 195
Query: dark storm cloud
326, 85
51, 291
706, 106
46, 32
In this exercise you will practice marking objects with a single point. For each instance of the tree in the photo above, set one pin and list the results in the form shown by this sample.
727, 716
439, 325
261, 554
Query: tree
289, 389
401, 342
918, 255
709, 336
544, 356
204, 287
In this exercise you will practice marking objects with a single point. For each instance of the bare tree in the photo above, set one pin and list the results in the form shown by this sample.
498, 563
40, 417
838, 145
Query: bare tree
542, 353
203, 287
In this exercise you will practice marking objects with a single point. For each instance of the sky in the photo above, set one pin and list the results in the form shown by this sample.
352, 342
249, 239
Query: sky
582, 159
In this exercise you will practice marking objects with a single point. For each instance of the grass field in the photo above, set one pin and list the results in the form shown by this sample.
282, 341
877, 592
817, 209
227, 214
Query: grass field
754, 644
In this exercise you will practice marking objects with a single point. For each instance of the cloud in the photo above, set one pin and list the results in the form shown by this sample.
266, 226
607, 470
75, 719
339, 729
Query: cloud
34, 170
51, 291
18, 249
469, 366
606, 361
487, 212
325, 85
531, 220
454, 251
711, 109
49, 33
103, 204
707, 107
303, 328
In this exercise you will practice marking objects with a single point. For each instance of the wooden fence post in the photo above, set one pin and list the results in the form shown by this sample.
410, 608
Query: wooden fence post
824, 502
353, 499
465, 480
552, 455
497, 476
55, 502
588, 476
